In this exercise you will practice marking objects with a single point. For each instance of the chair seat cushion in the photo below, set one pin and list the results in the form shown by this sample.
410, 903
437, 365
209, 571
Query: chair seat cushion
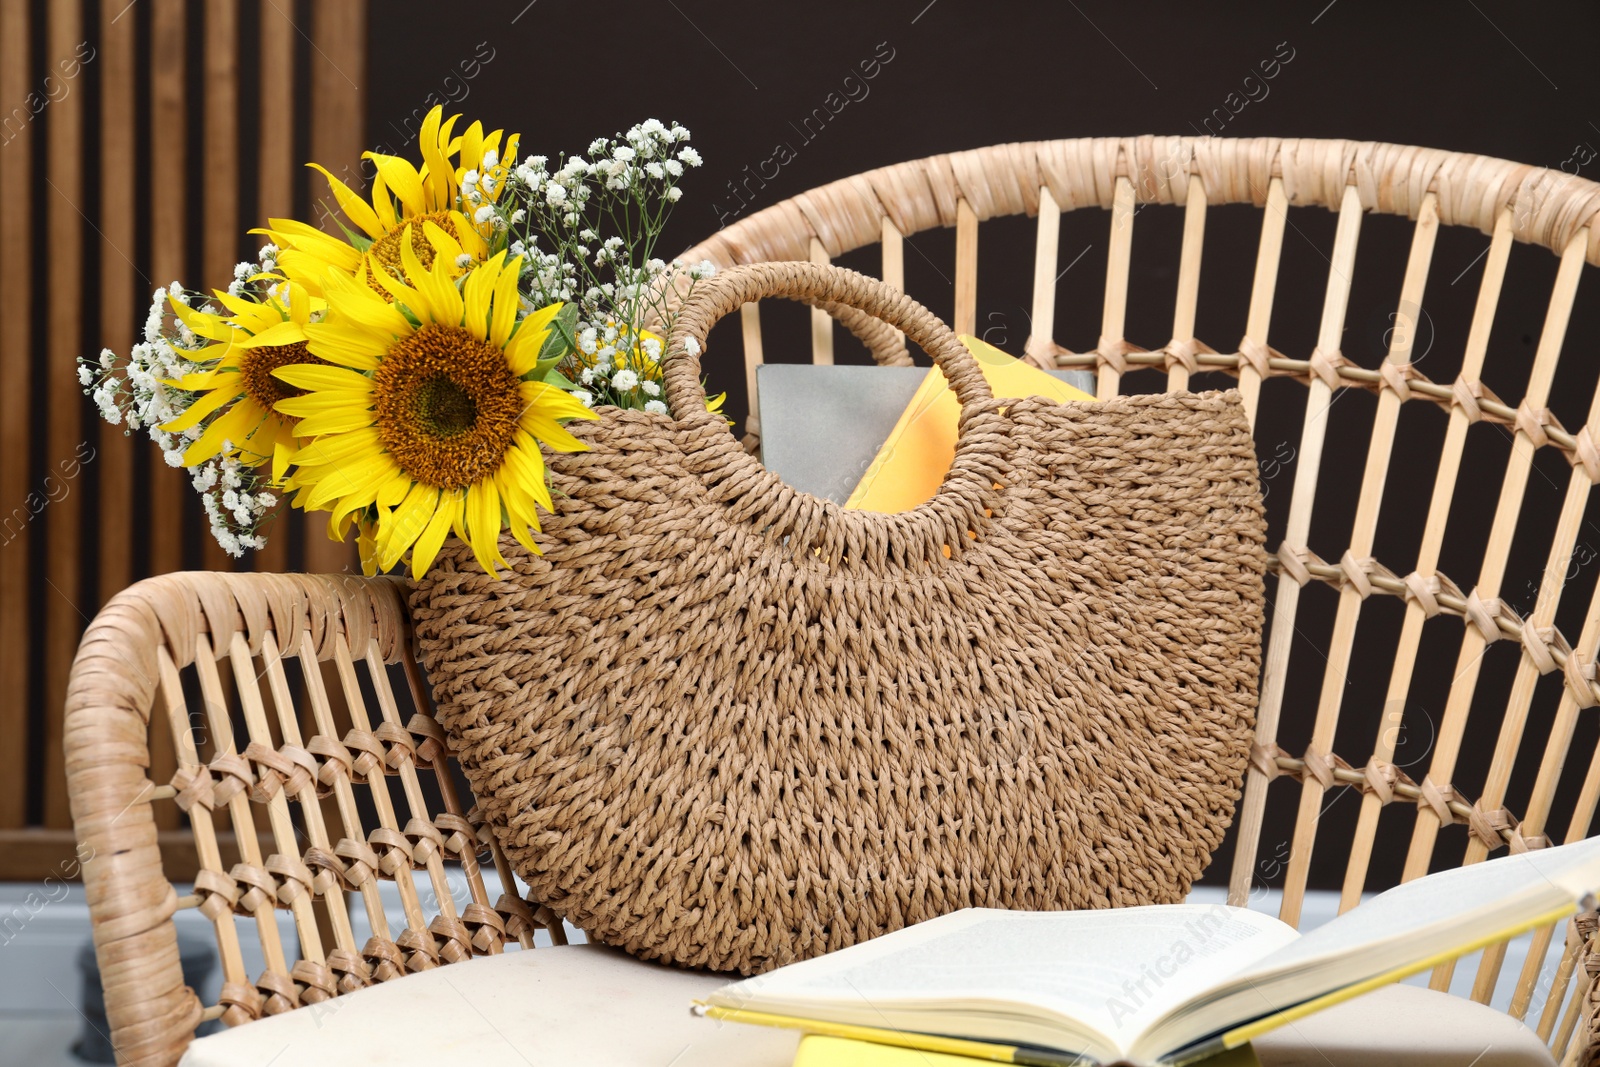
1405, 1026
574, 1005
584, 1004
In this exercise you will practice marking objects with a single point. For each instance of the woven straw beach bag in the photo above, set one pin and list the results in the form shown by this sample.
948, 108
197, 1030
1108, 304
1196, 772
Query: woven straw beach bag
725, 724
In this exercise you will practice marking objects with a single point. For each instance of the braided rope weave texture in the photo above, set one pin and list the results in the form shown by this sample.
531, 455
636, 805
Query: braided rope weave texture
728, 725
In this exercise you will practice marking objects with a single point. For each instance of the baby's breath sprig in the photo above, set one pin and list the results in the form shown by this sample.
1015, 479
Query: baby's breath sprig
588, 230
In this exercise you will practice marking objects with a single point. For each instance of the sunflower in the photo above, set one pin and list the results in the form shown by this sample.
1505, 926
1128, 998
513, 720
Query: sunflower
459, 176
250, 340
431, 415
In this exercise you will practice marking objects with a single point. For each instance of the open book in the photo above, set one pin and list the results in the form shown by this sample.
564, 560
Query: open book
1167, 984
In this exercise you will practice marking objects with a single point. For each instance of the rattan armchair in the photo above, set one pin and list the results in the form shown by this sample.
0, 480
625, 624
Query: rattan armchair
279, 763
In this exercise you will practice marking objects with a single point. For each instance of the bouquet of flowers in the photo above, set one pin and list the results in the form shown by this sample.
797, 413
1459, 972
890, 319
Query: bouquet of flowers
405, 377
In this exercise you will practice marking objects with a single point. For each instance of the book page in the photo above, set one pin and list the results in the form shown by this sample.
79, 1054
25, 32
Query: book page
1462, 898
1112, 970
1408, 923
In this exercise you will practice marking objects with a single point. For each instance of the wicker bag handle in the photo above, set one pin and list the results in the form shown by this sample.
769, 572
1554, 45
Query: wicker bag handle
814, 284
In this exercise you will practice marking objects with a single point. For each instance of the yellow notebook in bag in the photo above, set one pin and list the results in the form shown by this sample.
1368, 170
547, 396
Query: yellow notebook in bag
919, 450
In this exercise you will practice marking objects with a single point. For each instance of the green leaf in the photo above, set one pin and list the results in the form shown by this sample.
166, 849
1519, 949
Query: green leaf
563, 336
559, 380
359, 241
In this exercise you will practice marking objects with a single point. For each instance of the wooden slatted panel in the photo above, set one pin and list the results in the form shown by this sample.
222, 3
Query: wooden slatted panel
1464, 679
1494, 273
168, 118
219, 233
44, 207
1112, 319
1380, 449
966, 316
338, 136
64, 610
1309, 461
16, 274
120, 281
276, 174
821, 321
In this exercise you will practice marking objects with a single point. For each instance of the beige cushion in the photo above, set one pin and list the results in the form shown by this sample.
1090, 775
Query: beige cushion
585, 1004
1404, 1026
569, 1006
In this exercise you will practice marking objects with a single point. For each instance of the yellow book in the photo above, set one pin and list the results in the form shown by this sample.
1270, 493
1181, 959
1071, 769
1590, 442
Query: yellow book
817, 1050
919, 450
1171, 984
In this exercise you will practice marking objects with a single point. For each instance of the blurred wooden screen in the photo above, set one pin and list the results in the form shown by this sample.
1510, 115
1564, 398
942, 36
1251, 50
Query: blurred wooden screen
139, 141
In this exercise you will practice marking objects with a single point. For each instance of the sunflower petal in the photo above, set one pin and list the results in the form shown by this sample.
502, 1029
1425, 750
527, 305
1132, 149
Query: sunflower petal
355, 209
431, 538
401, 177
202, 408
314, 376
504, 316
483, 518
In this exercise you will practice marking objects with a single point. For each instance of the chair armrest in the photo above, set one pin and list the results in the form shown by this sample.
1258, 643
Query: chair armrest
141, 637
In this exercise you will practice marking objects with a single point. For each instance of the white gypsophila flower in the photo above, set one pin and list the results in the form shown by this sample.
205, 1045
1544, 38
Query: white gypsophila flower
702, 270
586, 376
84, 376
689, 155
652, 348
584, 397
622, 153
650, 388
174, 457
483, 214
555, 195
587, 340
655, 407
243, 270
672, 167
673, 194
517, 216
624, 380
463, 261
491, 159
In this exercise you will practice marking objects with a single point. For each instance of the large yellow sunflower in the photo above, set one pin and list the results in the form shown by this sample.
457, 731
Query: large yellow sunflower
251, 340
432, 200
430, 416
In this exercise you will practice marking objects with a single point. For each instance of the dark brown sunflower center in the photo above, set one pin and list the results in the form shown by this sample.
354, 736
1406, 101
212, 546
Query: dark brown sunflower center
446, 406
257, 364
385, 251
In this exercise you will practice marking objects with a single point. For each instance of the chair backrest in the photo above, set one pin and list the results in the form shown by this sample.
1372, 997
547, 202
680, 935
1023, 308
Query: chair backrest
273, 689
1366, 697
